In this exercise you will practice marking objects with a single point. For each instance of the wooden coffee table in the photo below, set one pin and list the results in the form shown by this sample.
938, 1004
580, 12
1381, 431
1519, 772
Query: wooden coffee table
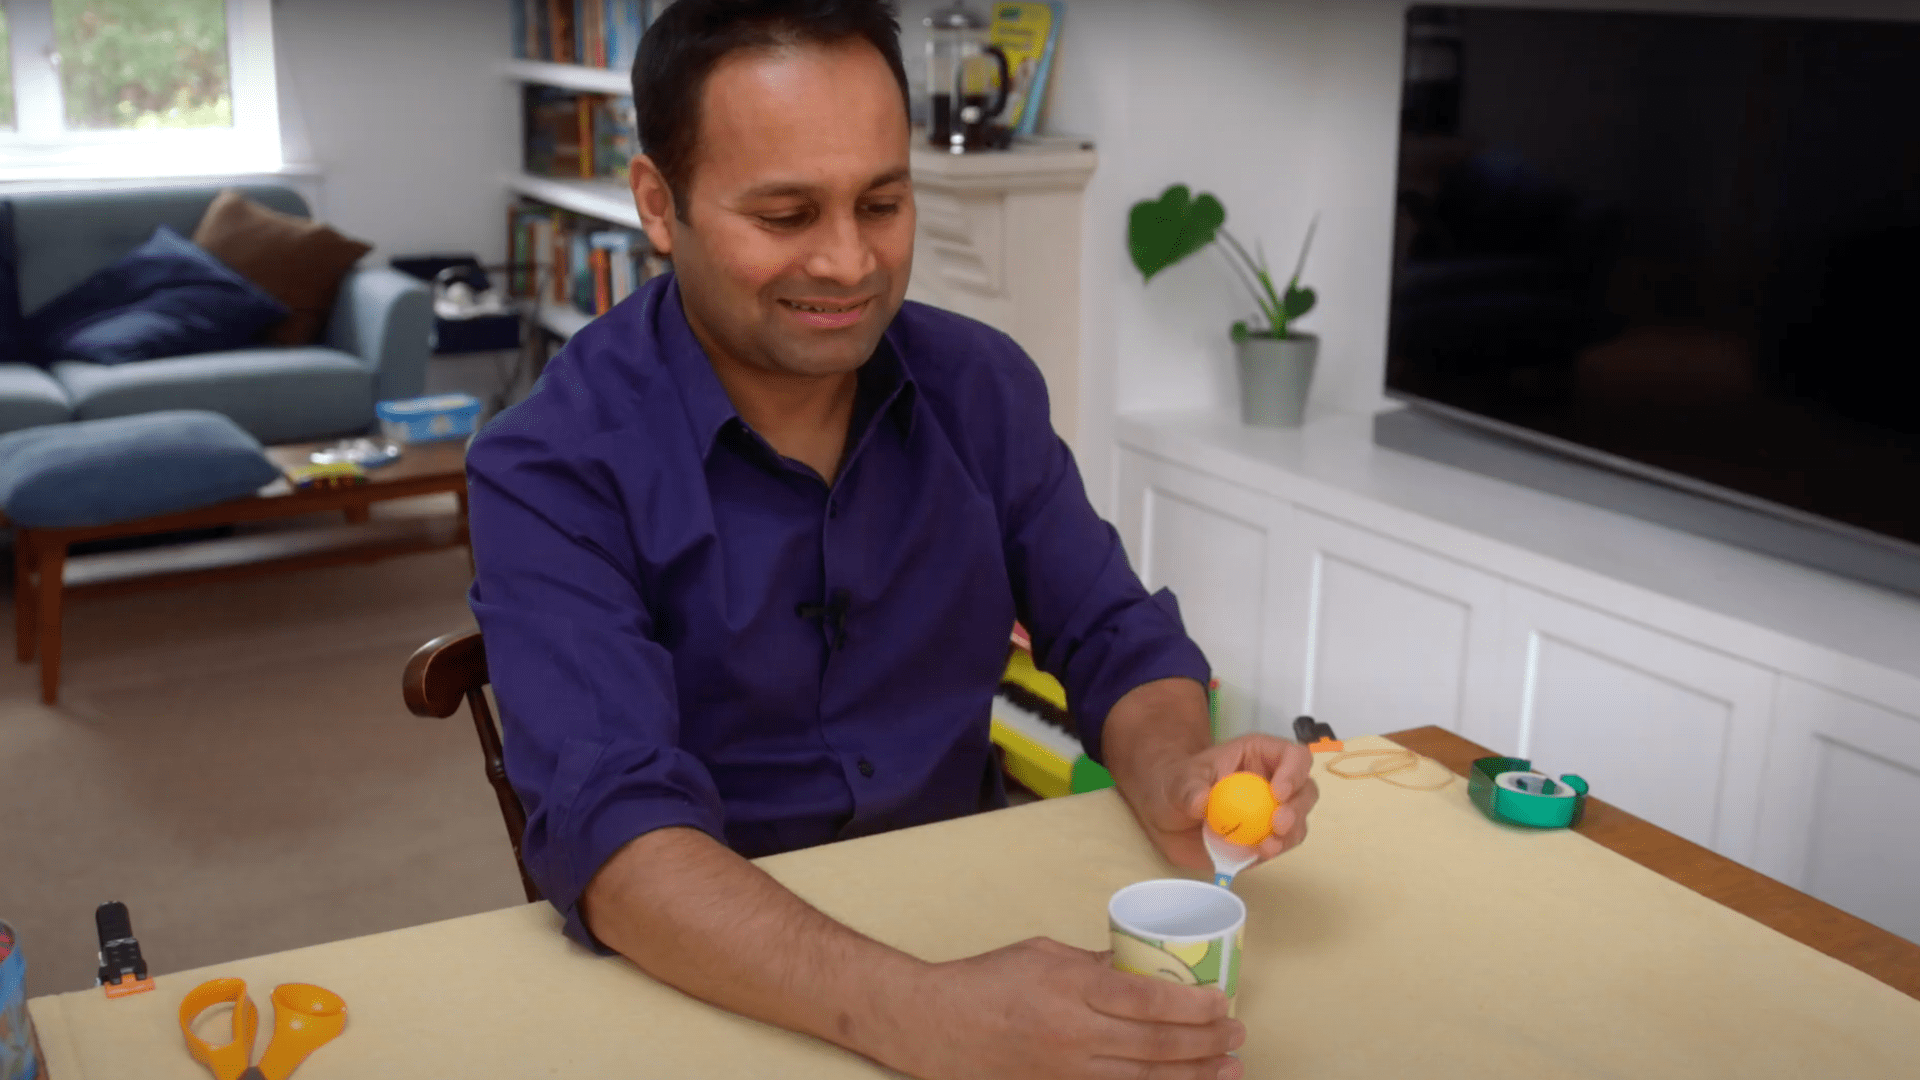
40, 555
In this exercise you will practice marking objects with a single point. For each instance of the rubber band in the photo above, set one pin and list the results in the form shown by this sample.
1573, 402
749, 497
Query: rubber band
1393, 761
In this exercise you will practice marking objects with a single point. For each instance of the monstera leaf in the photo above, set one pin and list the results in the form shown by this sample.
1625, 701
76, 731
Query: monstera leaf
1162, 232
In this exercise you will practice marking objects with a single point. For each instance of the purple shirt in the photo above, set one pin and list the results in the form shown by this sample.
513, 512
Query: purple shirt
685, 628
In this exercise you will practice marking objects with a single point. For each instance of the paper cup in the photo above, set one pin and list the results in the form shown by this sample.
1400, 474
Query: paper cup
18, 1061
1188, 932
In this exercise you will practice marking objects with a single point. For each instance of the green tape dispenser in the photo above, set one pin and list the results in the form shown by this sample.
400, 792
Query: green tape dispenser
1507, 789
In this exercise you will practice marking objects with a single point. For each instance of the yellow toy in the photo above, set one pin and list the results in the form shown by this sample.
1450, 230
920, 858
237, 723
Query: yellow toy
333, 474
1241, 808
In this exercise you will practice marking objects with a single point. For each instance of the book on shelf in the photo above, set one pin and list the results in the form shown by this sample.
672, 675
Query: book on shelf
591, 33
560, 257
552, 132
1027, 32
576, 135
616, 137
561, 25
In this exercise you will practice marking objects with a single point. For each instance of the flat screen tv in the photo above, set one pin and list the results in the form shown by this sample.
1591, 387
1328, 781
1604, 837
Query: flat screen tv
1683, 245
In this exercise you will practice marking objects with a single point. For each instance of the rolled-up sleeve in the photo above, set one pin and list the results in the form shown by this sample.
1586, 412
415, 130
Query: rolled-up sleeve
588, 708
1093, 625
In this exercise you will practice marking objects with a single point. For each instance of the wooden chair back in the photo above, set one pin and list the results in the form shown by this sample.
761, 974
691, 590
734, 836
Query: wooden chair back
452, 669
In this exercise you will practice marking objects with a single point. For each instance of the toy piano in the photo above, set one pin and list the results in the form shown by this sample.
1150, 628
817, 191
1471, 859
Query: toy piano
1036, 734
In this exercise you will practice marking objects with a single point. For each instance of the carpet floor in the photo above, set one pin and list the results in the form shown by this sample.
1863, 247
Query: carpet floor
234, 762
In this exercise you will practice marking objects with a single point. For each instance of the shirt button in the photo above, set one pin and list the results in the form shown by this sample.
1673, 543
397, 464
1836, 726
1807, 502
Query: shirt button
833, 509
866, 768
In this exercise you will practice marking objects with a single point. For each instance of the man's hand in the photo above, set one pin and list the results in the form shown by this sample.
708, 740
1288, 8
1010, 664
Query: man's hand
1159, 750
1040, 1010
1173, 807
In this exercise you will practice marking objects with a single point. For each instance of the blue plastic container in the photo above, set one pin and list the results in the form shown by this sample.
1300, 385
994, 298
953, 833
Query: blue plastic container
17, 1058
429, 419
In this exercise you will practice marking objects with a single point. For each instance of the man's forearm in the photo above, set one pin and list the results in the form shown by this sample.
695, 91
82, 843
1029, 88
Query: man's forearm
700, 918
1152, 724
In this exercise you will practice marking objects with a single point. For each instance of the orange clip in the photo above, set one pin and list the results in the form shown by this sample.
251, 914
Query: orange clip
127, 985
1327, 746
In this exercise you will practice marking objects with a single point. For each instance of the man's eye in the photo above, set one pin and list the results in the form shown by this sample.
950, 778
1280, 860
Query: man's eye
883, 209
785, 221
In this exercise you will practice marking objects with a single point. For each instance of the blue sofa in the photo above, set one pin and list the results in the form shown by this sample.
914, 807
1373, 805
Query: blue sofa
375, 347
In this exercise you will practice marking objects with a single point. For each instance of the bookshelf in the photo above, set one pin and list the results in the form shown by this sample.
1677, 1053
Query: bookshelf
598, 199
605, 201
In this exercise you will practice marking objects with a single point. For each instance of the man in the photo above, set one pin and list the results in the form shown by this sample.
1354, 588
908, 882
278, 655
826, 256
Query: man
748, 557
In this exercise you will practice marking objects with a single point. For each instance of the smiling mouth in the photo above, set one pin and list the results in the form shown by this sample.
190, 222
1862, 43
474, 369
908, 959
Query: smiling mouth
824, 309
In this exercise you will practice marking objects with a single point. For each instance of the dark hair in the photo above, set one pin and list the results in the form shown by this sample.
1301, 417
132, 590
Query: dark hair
691, 37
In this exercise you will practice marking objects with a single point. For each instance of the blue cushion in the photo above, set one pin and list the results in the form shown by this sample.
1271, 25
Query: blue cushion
30, 397
97, 472
13, 330
167, 297
280, 395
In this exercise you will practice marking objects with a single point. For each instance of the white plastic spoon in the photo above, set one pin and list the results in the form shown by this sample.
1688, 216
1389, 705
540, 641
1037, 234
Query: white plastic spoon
1228, 857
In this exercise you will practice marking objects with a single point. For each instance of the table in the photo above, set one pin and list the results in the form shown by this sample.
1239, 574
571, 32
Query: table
1851, 940
40, 555
1410, 936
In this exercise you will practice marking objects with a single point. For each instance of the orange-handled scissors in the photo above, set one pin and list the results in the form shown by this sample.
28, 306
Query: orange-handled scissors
305, 1018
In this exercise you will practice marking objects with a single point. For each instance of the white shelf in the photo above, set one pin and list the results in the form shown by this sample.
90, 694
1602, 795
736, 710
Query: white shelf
606, 200
1582, 553
563, 320
1034, 163
569, 77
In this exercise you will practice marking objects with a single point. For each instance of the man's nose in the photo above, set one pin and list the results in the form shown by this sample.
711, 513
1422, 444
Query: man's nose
841, 254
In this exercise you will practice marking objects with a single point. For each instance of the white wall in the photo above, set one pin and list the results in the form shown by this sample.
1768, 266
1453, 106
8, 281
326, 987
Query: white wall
1282, 108
400, 106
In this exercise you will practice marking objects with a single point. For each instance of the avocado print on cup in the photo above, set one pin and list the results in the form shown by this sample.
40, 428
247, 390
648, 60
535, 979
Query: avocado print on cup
1183, 931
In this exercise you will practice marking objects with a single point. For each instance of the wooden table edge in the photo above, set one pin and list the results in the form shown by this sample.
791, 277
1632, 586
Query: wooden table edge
1815, 923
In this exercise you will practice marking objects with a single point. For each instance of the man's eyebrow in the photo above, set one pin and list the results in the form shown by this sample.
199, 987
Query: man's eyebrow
787, 188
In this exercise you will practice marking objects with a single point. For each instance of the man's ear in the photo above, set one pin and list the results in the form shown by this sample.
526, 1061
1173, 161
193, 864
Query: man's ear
654, 201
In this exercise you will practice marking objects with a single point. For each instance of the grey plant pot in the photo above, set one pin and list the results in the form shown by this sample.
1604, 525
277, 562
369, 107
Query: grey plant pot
1275, 374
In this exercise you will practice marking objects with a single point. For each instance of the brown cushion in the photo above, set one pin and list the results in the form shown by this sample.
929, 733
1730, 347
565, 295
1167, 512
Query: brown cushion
299, 262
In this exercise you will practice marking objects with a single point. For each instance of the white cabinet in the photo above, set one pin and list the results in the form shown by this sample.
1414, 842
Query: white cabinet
1214, 544
1660, 727
1386, 636
1766, 712
1841, 819
997, 238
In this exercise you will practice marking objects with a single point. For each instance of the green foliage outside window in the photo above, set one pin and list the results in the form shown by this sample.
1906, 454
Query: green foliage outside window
143, 63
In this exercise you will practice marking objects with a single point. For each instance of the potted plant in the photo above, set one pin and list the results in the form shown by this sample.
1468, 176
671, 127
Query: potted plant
1276, 361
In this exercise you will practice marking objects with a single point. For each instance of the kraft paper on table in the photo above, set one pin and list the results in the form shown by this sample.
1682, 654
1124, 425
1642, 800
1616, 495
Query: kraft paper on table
1409, 936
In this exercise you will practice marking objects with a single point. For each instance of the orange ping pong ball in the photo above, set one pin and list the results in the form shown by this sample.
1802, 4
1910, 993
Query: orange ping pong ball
1241, 807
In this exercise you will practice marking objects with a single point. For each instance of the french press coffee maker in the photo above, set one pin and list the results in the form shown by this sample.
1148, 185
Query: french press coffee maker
962, 70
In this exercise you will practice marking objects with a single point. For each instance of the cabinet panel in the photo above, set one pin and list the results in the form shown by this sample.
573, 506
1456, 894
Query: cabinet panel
1388, 636
1842, 815
1664, 729
1213, 544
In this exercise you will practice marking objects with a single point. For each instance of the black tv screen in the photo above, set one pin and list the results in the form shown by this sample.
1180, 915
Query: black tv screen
1688, 243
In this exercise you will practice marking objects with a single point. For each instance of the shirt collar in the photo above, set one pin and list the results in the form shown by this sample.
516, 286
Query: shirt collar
885, 380
708, 407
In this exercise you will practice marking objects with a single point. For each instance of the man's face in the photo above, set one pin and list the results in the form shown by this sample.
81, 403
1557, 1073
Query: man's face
799, 234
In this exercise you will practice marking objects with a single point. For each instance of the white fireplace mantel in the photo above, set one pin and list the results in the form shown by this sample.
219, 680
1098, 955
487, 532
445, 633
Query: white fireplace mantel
998, 239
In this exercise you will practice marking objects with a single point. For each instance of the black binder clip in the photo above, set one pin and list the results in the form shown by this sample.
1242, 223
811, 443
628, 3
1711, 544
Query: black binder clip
123, 970
1315, 736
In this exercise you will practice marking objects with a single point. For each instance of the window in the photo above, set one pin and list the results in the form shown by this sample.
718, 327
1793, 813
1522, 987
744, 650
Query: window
136, 88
